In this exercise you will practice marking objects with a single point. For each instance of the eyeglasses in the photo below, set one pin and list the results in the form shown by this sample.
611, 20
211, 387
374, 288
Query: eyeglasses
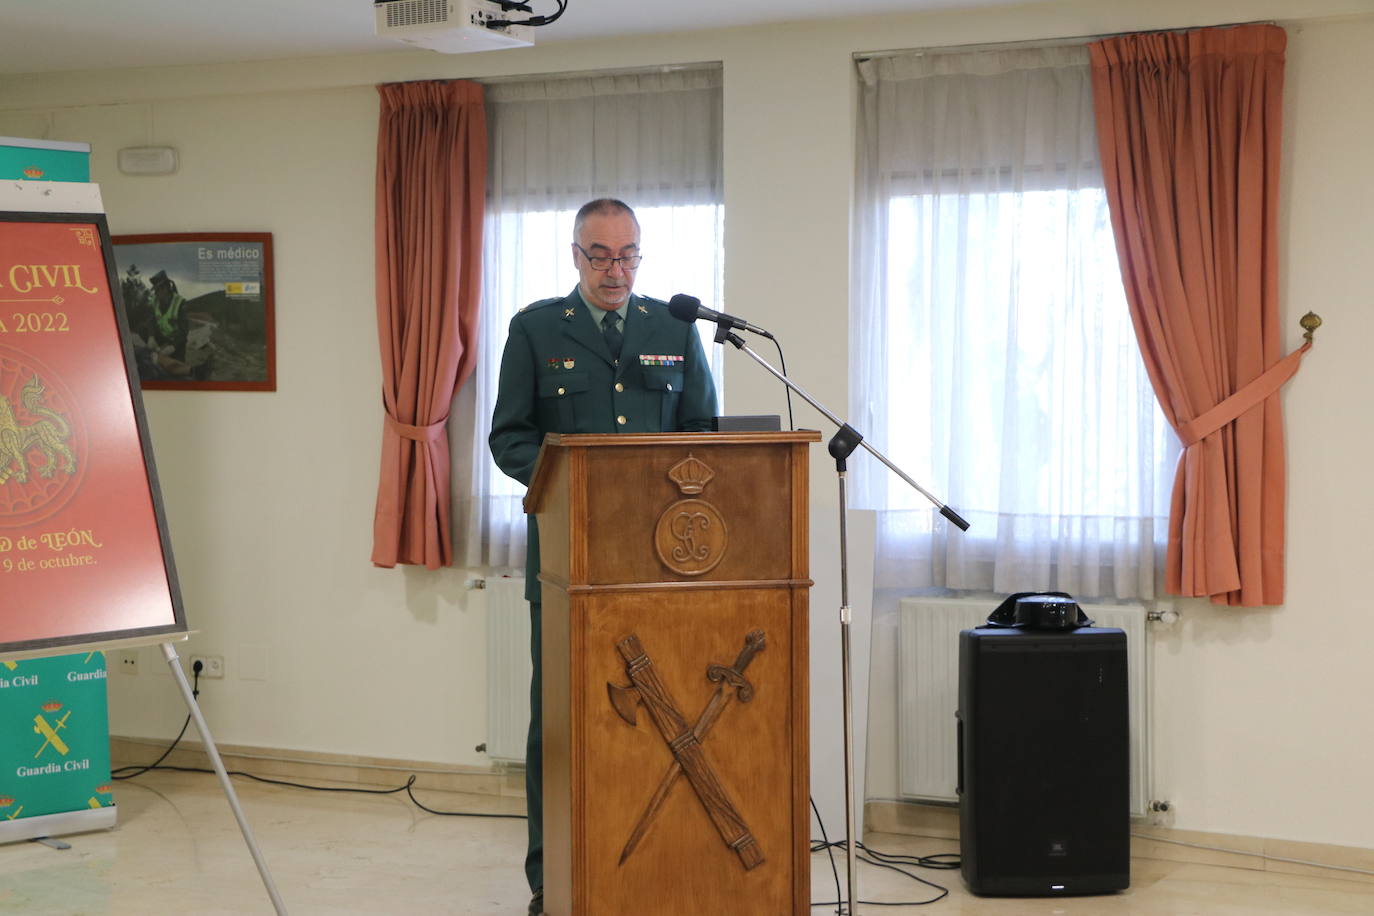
597, 262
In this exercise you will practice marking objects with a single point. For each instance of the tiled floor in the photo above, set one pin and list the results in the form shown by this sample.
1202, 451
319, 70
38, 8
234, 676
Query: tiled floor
177, 850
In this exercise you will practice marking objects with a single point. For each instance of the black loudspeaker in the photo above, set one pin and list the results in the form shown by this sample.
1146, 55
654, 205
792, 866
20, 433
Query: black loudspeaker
1044, 764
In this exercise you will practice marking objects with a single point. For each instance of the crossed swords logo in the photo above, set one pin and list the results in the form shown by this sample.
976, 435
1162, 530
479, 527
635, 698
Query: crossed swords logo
49, 733
684, 740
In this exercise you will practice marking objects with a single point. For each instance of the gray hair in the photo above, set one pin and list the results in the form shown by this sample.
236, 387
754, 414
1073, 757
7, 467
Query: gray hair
605, 206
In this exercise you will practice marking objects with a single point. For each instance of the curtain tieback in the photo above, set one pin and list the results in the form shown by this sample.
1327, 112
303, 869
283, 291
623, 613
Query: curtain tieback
428, 433
1259, 388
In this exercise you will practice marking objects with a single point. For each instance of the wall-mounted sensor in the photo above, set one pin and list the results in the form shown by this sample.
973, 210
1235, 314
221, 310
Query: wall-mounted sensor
148, 160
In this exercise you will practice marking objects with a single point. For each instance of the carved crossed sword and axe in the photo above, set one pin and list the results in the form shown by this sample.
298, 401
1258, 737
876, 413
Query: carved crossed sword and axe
684, 740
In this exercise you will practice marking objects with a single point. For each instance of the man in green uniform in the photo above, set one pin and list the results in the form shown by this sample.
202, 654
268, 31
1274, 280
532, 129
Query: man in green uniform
599, 360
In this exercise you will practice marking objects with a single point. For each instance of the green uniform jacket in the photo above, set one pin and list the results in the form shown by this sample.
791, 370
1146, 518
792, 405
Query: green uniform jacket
558, 376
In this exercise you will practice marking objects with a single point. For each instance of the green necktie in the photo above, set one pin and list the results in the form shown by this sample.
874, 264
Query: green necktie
610, 332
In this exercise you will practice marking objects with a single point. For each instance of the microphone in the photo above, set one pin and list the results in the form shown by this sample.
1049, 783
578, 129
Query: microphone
689, 308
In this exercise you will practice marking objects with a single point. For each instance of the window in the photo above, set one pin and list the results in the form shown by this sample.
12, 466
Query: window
996, 359
555, 144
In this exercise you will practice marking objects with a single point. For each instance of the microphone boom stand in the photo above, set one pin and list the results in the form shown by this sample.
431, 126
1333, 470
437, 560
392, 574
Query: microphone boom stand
841, 446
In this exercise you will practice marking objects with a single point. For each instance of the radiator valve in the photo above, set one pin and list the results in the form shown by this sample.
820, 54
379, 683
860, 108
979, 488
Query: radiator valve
1161, 813
1164, 615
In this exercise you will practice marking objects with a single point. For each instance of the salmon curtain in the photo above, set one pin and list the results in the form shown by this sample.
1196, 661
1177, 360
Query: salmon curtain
431, 188
1189, 126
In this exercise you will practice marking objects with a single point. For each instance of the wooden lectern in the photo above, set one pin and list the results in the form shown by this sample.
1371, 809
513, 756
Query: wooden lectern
674, 571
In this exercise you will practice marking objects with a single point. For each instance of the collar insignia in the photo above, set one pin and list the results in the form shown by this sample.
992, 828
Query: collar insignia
568, 313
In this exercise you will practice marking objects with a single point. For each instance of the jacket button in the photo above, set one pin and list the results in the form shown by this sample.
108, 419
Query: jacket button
670, 386
619, 386
620, 419
562, 391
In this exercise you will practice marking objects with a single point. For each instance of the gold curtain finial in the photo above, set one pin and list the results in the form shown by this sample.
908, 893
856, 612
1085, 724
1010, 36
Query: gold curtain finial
1310, 322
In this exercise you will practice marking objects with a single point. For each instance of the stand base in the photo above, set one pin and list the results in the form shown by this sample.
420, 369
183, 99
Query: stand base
60, 824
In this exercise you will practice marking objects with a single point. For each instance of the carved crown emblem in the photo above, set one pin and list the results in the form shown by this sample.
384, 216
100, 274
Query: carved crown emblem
33, 171
51, 706
691, 475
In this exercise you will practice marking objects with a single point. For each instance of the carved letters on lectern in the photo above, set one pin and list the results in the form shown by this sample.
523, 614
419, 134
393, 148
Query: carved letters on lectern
691, 537
684, 741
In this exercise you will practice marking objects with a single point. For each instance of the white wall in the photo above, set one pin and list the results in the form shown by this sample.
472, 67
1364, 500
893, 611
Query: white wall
1263, 711
270, 496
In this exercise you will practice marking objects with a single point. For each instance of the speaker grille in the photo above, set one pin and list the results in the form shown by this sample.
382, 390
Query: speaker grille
1055, 766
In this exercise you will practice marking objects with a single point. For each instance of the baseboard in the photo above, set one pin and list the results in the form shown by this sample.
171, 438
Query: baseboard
1151, 842
308, 766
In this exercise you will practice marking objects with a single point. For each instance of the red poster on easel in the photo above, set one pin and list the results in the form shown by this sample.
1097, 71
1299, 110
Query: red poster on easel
85, 560
84, 554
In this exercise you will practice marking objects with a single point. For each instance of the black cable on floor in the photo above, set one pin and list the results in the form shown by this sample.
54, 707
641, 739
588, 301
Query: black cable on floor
114, 774
944, 861
826, 844
407, 788
195, 692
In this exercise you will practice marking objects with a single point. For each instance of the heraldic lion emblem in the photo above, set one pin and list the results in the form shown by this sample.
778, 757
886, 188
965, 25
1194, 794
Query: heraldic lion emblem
49, 434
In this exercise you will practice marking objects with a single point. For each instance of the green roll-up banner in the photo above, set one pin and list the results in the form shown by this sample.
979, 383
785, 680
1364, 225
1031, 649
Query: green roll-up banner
54, 742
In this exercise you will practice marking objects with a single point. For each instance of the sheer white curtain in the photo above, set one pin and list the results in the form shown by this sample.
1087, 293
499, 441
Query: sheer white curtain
652, 140
993, 351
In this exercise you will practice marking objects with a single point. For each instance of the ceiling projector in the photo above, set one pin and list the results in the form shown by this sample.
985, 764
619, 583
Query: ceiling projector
450, 26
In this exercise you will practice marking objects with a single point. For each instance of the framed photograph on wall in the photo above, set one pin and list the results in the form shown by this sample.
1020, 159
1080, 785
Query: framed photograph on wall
200, 307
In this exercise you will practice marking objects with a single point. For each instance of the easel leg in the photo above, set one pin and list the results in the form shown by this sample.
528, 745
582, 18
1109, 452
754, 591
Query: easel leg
180, 677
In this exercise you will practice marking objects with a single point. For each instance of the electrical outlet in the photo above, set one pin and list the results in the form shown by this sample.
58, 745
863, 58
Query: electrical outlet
211, 665
126, 661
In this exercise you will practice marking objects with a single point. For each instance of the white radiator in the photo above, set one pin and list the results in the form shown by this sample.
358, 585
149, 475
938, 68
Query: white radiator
508, 668
928, 691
